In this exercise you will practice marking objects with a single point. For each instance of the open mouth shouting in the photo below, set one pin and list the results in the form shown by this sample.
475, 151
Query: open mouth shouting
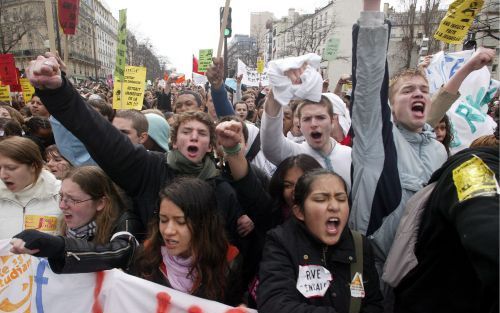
192, 151
418, 109
316, 136
333, 226
10, 185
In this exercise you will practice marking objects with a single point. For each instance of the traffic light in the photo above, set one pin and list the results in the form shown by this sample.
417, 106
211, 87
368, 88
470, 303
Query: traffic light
227, 30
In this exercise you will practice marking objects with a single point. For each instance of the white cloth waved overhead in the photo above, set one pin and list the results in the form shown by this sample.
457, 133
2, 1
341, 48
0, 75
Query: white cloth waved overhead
311, 85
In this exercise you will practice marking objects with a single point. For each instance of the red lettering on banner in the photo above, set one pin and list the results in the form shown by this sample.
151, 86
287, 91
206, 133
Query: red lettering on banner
236, 310
195, 309
163, 302
97, 307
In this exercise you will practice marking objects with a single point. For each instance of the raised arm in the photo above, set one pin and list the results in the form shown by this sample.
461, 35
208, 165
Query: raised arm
275, 146
111, 149
215, 75
375, 180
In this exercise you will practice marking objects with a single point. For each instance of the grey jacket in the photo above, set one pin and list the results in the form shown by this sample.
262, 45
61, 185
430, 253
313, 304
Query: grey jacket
390, 163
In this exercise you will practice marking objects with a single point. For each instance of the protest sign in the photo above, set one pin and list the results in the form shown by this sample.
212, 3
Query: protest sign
199, 79
251, 77
468, 115
121, 48
67, 11
27, 89
129, 94
331, 49
8, 71
457, 21
204, 59
260, 65
5, 94
27, 284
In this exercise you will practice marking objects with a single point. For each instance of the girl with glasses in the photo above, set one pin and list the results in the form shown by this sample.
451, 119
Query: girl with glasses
95, 226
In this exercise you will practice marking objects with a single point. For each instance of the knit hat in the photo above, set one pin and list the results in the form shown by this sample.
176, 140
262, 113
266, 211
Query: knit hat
158, 130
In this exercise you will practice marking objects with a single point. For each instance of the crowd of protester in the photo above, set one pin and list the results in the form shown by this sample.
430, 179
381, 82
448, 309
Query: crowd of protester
231, 196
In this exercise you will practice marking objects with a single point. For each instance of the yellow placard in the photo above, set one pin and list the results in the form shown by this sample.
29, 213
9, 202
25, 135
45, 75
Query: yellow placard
27, 88
260, 66
474, 178
5, 94
44, 223
457, 21
129, 95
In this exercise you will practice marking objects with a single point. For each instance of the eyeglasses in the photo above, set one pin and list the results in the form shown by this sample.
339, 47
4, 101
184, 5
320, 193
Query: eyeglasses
68, 201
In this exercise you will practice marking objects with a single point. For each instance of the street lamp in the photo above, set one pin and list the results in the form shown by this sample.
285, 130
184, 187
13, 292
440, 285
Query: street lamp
94, 25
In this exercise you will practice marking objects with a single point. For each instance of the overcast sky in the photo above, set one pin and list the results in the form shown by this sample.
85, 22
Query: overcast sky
179, 28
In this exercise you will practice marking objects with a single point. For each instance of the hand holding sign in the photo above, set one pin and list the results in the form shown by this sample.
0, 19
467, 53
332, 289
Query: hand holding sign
44, 73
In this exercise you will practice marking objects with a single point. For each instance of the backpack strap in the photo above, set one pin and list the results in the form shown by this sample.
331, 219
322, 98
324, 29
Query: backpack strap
254, 149
356, 267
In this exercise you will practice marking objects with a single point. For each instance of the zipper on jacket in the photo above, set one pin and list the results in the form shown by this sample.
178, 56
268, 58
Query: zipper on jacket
325, 248
77, 254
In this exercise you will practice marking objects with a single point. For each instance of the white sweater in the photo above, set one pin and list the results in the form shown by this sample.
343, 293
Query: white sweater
34, 207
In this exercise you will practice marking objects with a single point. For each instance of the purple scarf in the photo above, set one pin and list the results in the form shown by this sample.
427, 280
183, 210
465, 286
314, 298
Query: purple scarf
178, 271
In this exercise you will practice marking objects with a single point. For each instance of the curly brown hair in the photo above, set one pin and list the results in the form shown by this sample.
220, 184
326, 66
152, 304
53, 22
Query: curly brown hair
201, 117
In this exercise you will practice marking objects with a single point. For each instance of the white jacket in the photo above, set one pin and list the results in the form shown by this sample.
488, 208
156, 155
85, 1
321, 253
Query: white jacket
35, 207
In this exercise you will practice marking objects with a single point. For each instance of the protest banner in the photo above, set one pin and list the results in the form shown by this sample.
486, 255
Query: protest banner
27, 88
251, 77
5, 94
468, 115
67, 12
27, 284
129, 93
331, 49
8, 71
457, 21
121, 48
198, 79
204, 59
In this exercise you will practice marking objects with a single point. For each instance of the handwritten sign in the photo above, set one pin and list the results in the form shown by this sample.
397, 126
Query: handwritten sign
457, 21
121, 48
204, 59
129, 95
5, 94
27, 88
260, 65
313, 280
331, 49
251, 77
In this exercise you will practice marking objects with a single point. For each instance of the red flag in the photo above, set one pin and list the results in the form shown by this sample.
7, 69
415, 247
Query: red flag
195, 66
180, 79
68, 15
8, 70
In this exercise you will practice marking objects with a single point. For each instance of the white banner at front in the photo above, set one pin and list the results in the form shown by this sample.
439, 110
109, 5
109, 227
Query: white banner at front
28, 285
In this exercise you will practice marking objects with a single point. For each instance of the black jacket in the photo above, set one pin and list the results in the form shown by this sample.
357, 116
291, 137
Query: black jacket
140, 173
457, 246
82, 256
291, 245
